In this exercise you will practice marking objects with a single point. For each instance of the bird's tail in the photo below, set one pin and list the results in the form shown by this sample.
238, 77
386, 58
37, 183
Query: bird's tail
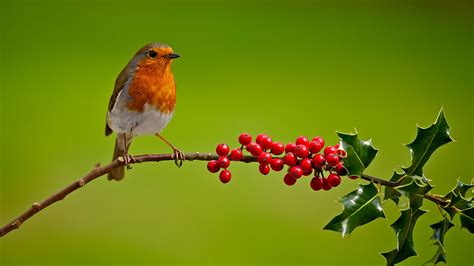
122, 143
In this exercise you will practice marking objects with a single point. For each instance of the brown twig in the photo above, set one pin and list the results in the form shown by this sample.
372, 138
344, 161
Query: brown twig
387, 183
99, 171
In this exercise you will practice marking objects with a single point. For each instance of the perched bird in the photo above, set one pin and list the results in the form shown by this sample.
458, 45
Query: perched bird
143, 101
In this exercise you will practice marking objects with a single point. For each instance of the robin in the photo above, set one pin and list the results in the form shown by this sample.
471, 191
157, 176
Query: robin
143, 101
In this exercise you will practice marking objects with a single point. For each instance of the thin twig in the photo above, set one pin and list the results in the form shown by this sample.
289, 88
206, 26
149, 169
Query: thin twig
386, 183
99, 171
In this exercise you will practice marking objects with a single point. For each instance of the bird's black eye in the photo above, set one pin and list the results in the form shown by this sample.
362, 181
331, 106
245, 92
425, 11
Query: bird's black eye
152, 54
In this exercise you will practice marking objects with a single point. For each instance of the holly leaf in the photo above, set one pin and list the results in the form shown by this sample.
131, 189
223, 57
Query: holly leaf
403, 227
361, 206
360, 153
439, 230
467, 219
415, 191
458, 203
462, 188
392, 193
425, 144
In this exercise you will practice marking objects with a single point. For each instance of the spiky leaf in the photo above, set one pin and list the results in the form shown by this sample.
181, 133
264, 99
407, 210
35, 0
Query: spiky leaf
467, 219
361, 206
462, 188
403, 227
426, 142
415, 191
457, 201
360, 153
439, 230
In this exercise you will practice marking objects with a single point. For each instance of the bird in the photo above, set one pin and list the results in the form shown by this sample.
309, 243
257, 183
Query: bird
143, 102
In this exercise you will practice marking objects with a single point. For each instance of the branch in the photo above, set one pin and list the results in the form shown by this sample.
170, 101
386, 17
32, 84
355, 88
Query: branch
386, 183
99, 171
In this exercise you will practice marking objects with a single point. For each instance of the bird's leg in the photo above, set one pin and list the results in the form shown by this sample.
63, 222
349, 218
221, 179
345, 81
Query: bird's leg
178, 155
126, 157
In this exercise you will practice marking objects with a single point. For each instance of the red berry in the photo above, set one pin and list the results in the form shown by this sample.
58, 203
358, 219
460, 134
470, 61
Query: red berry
277, 148
264, 158
302, 140
296, 172
289, 180
223, 162
245, 139
334, 180
316, 183
249, 146
255, 149
267, 143
236, 154
225, 176
319, 161
340, 170
341, 152
315, 146
222, 149
307, 172
259, 138
290, 159
326, 185
353, 177
306, 164
290, 147
301, 151
264, 169
329, 149
213, 166
318, 138
276, 164
332, 159
337, 146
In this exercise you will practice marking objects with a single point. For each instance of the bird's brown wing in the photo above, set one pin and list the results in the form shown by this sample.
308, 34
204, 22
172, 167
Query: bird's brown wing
119, 83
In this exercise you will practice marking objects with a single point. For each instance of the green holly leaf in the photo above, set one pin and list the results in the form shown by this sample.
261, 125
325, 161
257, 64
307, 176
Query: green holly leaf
361, 206
462, 188
457, 201
360, 153
439, 230
467, 219
392, 193
415, 191
425, 144
403, 227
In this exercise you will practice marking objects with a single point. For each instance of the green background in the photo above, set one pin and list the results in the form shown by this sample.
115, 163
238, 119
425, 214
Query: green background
283, 68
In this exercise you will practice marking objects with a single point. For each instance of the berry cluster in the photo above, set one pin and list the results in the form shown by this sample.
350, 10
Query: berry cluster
302, 157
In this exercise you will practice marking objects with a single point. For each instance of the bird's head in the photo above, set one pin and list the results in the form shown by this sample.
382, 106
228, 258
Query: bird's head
155, 56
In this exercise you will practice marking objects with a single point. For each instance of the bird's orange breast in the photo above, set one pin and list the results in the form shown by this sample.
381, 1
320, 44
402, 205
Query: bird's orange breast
153, 85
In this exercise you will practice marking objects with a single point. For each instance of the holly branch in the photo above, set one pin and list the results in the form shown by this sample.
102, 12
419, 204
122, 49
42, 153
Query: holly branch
350, 157
99, 171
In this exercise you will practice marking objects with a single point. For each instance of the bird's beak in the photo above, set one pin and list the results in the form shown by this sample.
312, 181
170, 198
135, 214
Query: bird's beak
171, 56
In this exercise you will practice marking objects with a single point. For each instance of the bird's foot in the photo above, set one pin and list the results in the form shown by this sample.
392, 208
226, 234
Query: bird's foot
128, 159
178, 156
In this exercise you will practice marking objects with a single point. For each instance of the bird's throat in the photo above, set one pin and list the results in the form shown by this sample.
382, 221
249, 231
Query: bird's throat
154, 85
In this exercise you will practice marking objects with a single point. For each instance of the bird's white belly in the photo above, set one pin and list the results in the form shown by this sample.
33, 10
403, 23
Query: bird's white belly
148, 122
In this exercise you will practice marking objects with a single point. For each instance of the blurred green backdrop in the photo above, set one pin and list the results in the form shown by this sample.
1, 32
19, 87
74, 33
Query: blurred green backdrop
283, 68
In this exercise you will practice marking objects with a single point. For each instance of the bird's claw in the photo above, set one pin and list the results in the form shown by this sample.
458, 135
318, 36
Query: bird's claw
178, 157
128, 160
